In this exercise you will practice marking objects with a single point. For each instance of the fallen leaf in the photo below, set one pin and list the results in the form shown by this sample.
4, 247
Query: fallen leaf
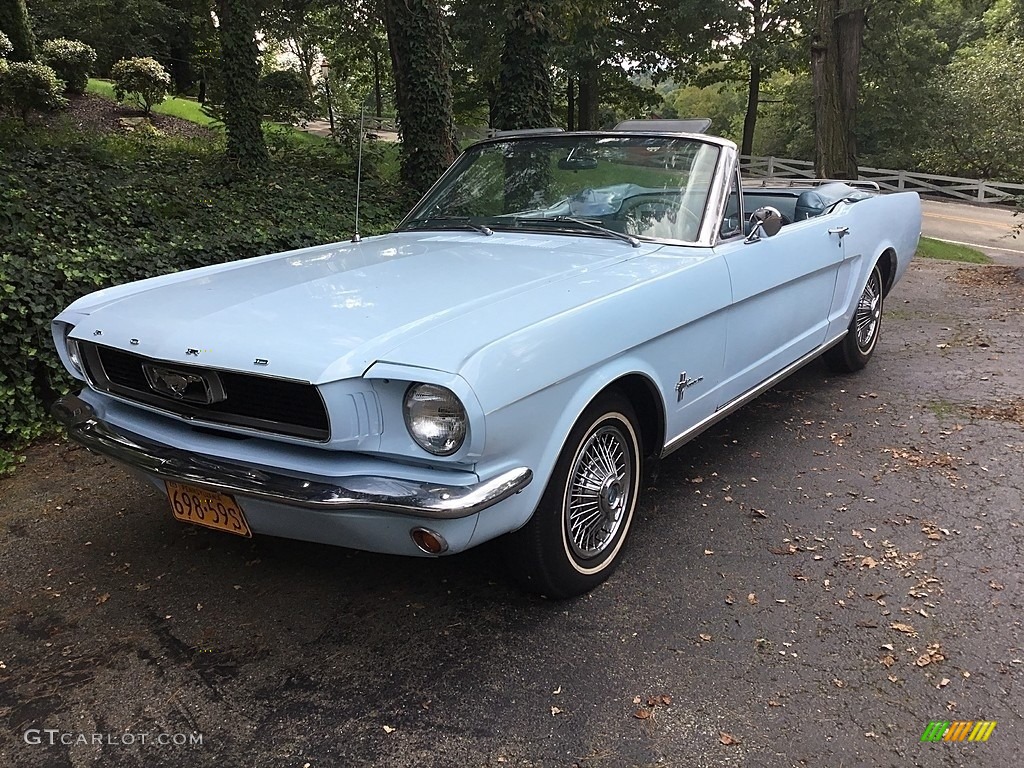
996, 586
102, 598
943, 682
729, 599
388, 729
555, 711
705, 638
557, 690
752, 598
868, 562
905, 628
709, 552
888, 660
839, 683
665, 699
923, 660
642, 714
728, 739
636, 699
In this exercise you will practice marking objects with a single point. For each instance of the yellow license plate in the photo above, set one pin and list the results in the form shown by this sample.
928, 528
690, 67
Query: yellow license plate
207, 508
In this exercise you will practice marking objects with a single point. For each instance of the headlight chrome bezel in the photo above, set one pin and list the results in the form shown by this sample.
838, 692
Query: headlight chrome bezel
435, 418
71, 349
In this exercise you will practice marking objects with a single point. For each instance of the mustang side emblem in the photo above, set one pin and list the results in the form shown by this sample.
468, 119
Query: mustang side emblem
684, 384
202, 388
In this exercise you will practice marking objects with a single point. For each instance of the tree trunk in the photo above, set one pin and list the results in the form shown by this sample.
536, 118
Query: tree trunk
588, 96
241, 71
15, 24
570, 103
524, 85
835, 70
181, 47
420, 55
850, 25
753, 98
378, 95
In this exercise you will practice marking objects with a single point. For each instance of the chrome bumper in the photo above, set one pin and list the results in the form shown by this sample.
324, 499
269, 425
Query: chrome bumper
363, 492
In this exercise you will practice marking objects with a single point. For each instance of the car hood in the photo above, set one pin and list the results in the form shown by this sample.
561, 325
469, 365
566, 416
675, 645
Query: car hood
329, 312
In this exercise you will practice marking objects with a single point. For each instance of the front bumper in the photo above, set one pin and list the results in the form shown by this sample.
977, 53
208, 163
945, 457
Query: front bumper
357, 492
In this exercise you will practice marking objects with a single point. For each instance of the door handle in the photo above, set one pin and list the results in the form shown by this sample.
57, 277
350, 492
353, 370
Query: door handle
841, 231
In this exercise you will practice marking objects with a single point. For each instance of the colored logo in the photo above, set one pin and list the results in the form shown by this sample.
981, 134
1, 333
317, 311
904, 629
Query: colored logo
958, 730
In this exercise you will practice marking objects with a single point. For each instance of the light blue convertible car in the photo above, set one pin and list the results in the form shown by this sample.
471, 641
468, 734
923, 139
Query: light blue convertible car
557, 310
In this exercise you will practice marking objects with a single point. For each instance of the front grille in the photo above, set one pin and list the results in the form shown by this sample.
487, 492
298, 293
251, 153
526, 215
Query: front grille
257, 402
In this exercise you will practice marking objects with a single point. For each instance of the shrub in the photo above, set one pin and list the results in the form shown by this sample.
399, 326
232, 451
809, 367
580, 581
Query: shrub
143, 80
5, 45
25, 86
71, 60
285, 96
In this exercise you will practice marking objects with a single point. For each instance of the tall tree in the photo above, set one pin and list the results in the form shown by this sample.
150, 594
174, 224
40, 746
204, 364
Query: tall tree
524, 95
764, 39
15, 24
420, 57
240, 67
835, 71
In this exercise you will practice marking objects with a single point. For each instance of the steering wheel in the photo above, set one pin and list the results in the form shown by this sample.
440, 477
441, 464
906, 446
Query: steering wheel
666, 215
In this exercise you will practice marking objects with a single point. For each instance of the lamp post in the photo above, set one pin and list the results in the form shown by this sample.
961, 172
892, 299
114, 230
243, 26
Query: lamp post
325, 72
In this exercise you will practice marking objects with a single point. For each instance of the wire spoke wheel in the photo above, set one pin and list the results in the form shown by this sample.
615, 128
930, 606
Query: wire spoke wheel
575, 538
868, 314
598, 493
856, 347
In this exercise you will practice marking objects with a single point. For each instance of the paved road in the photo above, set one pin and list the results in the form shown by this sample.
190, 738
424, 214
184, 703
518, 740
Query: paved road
808, 584
988, 227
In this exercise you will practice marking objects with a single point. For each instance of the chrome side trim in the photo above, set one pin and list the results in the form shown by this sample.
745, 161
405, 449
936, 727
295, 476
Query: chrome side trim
362, 492
678, 442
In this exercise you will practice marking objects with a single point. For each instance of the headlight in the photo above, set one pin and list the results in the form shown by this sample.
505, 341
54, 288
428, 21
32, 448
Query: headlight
435, 418
72, 349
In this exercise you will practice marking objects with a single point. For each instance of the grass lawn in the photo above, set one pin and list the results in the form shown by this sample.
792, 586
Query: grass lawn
189, 109
939, 249
184, 109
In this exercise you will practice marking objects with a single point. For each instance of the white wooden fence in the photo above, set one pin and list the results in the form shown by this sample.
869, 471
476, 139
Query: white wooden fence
974, 190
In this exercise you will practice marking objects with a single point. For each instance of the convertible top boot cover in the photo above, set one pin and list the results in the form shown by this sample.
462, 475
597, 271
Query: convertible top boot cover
814, 202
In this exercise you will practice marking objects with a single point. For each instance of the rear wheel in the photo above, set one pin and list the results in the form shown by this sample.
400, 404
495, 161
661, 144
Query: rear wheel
574, 540
856, 348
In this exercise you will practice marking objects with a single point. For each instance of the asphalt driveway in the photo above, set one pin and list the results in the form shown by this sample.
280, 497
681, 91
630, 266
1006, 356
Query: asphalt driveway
808, 584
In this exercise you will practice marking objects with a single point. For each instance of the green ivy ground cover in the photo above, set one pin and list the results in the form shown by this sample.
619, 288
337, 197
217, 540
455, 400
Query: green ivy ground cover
80, 212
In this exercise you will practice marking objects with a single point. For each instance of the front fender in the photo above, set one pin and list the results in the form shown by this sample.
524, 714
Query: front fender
533, 432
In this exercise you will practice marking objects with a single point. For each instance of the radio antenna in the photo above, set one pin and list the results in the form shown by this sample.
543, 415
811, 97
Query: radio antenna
359, 170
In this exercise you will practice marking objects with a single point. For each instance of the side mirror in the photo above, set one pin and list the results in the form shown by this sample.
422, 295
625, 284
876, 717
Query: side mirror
764, 222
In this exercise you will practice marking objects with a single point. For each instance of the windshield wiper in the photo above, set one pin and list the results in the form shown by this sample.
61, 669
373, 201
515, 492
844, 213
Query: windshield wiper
593, 227
440, 221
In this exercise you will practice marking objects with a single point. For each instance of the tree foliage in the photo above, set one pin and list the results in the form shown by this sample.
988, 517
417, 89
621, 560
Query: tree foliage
981, 98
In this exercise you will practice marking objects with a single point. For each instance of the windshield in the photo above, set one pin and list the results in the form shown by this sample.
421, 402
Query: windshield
646, 187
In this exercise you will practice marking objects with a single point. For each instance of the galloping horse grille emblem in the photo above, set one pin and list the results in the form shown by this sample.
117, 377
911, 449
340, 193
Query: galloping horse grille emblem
202, 388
